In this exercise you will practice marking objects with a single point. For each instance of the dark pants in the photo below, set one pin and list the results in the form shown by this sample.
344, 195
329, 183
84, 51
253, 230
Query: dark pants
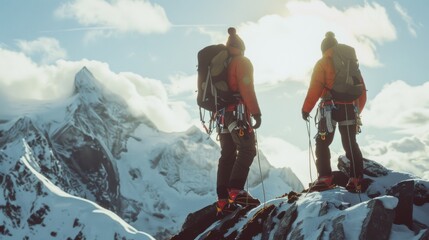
237, 153
348, 140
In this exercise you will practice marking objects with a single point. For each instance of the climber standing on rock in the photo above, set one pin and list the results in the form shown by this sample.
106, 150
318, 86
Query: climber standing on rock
338, 83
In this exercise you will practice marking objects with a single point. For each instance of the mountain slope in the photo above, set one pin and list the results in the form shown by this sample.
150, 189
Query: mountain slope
34, 208
90, 146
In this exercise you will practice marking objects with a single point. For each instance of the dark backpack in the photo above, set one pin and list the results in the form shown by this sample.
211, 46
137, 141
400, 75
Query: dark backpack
348, 82
213, 90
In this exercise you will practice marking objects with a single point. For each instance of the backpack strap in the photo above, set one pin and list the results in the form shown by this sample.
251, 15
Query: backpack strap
208, 81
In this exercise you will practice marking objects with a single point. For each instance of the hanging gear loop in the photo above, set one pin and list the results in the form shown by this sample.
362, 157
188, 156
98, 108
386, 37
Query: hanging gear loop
326, 124
216, 120
241, 123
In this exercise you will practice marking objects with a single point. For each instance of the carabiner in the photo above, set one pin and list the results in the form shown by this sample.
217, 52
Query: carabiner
323, 135
241, 132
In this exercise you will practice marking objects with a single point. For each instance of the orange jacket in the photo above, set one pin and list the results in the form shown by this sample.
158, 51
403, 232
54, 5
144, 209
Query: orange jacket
240, 79
322, 80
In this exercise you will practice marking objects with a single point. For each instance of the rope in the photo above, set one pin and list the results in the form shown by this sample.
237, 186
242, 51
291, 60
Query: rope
351, 149
310, 150
310, 156
259, 164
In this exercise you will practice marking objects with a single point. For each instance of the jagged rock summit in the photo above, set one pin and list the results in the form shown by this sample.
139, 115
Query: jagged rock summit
395, 206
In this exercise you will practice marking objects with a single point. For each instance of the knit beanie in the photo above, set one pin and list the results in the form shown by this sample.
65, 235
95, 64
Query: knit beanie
328, 42
234, 40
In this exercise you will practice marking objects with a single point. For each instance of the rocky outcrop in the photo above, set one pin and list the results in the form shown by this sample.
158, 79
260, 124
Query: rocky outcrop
334, 213
378, 222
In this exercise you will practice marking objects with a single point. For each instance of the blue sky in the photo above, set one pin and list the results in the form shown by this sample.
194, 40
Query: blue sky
146, 52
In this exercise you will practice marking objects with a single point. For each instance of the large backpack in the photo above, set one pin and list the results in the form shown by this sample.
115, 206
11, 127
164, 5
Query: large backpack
348, 82
213, 90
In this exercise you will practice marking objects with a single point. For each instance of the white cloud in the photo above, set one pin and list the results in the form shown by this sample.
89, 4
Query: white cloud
54, 81
117, 15
46, 49
409, 154
404, 109
183, 84
286, 47
30, 83
400, 106
407, 18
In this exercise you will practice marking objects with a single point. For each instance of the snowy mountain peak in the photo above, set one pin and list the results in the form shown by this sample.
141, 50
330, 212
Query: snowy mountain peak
87, 86
20, 129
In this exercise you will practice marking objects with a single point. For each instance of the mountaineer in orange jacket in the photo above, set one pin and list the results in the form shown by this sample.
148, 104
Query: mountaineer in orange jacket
346, 114
237, 137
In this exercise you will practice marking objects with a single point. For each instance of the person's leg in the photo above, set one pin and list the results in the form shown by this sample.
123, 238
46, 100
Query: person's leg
348, 133
353, 153
245, 142
246, 151
225, 165
323, 154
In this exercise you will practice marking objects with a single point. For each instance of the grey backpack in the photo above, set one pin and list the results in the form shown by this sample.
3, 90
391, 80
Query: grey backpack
348, 82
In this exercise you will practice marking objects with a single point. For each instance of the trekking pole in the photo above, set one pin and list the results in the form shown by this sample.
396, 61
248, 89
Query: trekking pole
259, 164
351, 149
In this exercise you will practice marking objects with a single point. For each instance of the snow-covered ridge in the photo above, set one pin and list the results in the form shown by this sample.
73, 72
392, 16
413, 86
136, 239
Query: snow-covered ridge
395, 206
34, 208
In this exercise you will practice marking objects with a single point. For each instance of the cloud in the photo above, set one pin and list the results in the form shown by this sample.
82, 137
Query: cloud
400, 106
46, 49
407, 18
30, 83
286, 47
50, 82
183, 84
403, 108
116, 16
408, 154
408, 144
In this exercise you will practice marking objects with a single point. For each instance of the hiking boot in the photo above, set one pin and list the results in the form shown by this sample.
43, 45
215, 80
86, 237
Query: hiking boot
223, 207
242, 197
322, 183
354, 185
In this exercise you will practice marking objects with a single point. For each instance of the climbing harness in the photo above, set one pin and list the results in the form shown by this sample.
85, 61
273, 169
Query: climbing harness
325, 124
241, 124
241, 117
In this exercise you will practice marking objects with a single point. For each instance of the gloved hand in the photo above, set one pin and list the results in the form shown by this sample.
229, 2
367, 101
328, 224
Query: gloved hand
257, 118
305, 116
